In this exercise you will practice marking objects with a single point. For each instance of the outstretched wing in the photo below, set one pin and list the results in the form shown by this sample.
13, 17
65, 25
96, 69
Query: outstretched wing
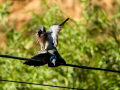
40, 55
53, 35
53, 32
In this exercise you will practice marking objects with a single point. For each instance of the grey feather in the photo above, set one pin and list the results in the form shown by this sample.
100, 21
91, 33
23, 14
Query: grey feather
49, 39
55, 29
53, 36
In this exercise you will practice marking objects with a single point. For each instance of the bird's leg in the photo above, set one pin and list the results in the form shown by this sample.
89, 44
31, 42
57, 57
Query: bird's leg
43, 61
42, 48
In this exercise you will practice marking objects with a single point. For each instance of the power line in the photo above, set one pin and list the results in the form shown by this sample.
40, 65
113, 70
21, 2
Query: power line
71, 65
86, 67
20, 58
42, 84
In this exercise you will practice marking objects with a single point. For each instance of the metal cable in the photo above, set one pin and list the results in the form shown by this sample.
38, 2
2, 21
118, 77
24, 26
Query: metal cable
71, 65
41, 84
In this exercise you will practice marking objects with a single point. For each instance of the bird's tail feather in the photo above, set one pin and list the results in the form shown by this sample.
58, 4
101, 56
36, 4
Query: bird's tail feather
64, 22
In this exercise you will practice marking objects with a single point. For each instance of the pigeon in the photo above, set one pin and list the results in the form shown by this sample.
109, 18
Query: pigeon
55, 58
49, 40
50, 57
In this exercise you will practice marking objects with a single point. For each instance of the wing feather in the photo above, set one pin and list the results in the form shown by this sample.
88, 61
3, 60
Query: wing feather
53, 32
53, 36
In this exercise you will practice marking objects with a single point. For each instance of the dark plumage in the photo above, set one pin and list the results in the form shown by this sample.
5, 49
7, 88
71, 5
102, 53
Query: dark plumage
50, 57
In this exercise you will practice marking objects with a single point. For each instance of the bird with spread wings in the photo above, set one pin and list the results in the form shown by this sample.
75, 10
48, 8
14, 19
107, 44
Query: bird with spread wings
49, 40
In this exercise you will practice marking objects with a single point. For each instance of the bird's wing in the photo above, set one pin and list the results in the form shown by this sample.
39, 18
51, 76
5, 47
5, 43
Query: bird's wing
40, 55
53, 32
40, 31
53, 36
43, 29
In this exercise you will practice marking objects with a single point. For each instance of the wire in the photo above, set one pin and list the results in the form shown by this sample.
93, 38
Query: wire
86, 67
71, 65
41, 84
20, 58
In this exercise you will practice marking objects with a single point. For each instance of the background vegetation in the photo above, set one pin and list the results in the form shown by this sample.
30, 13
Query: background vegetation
93, 40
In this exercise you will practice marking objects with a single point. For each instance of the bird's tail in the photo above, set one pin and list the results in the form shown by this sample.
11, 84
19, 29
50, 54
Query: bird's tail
64, 22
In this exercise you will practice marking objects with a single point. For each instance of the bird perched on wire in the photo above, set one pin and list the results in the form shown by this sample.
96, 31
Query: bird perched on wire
49, 40
50, 57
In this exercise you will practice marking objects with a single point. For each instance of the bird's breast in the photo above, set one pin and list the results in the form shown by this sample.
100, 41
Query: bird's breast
43, 38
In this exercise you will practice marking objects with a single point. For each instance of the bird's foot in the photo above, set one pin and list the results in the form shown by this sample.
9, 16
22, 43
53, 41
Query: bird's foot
42, 49
43, 61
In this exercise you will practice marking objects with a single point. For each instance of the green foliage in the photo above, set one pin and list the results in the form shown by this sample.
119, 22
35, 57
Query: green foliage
4, 12
91, 41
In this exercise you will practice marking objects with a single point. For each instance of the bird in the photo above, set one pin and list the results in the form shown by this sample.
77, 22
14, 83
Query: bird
50, 57
49, 40
55, 58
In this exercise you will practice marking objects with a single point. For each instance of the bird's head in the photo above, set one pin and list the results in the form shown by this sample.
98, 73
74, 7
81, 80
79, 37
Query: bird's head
53, 60
41, 31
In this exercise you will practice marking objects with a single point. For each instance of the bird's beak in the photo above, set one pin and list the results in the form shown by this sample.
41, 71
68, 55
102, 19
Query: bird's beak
37, 34
54, 64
